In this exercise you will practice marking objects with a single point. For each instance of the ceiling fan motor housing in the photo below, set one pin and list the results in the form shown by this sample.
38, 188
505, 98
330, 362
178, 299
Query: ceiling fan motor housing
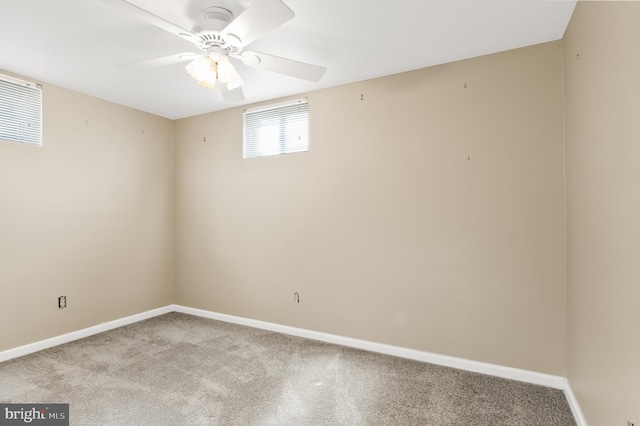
208, 32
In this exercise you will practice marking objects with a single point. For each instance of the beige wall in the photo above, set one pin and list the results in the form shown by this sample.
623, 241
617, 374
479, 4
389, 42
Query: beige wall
89, 215
427, 215
603, 210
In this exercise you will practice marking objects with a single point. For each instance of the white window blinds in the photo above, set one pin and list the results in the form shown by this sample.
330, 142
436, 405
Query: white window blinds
276, 129
20, 111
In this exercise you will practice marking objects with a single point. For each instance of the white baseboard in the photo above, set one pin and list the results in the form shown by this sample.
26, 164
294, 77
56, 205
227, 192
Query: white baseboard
526, 376
75, 335
573, 404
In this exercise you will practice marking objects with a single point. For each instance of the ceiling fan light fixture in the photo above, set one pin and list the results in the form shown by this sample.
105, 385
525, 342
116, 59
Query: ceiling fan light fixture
204, 71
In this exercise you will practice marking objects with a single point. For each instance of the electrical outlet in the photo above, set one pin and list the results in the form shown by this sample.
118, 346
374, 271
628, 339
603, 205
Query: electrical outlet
62, 302
296, 297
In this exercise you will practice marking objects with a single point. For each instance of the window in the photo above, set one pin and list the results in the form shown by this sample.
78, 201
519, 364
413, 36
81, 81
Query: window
276, 129
20, 111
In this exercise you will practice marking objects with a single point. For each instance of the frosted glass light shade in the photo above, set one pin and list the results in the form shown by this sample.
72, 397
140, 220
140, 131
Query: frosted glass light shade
226, 71
204, 71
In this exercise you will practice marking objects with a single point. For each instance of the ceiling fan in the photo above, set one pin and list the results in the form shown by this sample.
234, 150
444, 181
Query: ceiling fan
221, 37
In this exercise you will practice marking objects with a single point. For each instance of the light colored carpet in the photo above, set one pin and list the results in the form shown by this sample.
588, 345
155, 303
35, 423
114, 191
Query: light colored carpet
179, 369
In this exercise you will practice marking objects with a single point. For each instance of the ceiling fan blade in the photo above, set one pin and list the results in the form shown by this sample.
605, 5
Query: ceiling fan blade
161, 62
284, 66
144, 15
232, 96
258, 19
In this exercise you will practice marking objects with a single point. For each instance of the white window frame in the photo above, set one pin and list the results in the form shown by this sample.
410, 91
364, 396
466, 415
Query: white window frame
276, 129
20, 111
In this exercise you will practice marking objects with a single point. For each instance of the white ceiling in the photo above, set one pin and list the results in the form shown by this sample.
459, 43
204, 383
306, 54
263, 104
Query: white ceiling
85, 45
